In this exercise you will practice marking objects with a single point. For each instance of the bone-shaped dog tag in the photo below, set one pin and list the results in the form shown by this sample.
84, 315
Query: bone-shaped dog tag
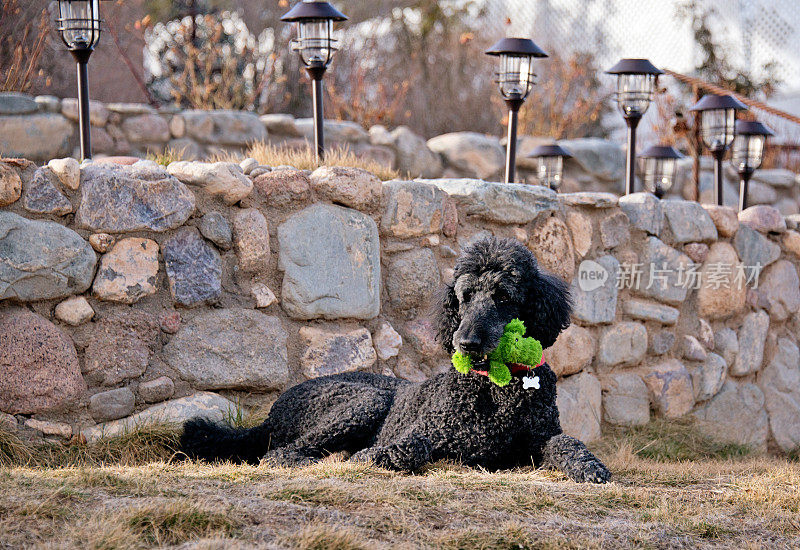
528, 383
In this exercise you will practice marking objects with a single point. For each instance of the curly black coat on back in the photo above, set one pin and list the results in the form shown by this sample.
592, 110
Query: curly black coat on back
403, 425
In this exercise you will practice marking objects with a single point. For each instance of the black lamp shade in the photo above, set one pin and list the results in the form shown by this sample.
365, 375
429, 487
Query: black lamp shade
79, 23
658, 165
718, 119
551, 164
747, 152
515, 75
314, 41
636, 82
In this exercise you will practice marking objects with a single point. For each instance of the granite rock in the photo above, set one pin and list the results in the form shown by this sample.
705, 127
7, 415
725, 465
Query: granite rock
42, 194
644, 212
334, 352
251, 237
412, 278
572, 351
74, 311
597, 304
752, 337
155, 391
351, 187
551, 244
215, 228
128, 272
219, 179
623, 343
670, 387
413, 209
194, 268
477, 155
735, 415
111, 404
579, 402
780, 382
626, 401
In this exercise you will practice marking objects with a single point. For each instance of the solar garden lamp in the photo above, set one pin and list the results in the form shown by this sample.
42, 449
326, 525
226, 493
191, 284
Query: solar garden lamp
747, 153
636, 83
658, 167
515, 80
550, 159
316, 46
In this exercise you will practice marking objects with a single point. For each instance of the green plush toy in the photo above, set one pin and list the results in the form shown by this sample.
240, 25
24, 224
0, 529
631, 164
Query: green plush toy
513, 348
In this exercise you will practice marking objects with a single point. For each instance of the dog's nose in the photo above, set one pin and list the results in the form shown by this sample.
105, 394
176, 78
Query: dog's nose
470, 345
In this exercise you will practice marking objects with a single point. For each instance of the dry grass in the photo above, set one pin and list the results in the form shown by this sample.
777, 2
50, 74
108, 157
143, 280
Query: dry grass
736, 502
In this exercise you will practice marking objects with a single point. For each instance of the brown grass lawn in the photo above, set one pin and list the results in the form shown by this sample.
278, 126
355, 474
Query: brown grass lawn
655, 501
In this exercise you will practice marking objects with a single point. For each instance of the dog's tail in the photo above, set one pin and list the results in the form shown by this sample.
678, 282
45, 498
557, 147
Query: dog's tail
203, 439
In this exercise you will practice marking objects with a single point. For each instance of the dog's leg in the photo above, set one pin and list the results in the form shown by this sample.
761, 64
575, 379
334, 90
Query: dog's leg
571, 456
408, 455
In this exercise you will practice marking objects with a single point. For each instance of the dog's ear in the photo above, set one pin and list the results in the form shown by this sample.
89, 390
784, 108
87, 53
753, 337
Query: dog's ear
448, 317
549, 307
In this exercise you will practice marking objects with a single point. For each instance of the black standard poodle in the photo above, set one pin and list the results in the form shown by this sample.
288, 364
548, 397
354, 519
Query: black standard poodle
463, 417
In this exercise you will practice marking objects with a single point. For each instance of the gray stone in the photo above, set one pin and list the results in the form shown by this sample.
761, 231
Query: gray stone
735, 415
497, 202
626, 401
331, 261
663, 282
74, 311
760, 193
780, 286
413, 209
602, 159
614, 230
780, 382
42, 260
477, 155
252, 240
230, 349
147, 128
689, 222
8, 422
787, 206
155, 391
752, 336
412, 278
48, 103
224, 127
336, 131
572, 351
414, 158
597, 304
194, 268
579, 401
726, 344
248, 165
754, 248
661, 342
98, 114
216, 229
58, 429
333, 352
692, 349
120, 199
351, 187
776, 177
36, 137
130, 108
112, 404
277, 123
622, 344
200, 405
708, 377
408, 369
387, 341
16, 103
219, 179
651, 311
670, 386
550, 242
42, 194
589, 199
763, 218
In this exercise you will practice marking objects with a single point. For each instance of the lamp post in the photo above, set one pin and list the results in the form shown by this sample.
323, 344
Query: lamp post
316, 46
747, 153
515, 79
717, 129
658, 165
551, 164
636, 82
79, 26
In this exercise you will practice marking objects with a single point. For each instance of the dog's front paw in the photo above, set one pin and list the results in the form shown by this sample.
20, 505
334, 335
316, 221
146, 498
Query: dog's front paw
594, 471
285, 457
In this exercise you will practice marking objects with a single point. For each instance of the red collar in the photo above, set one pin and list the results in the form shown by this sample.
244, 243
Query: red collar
517, 369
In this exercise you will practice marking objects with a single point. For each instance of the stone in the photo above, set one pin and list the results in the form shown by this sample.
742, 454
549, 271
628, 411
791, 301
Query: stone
760, 193
98, 114
551, 244
505, 204
623, 343
42, 194
147, 128
579, 401
600, 158
177, 126
111, 404
776, 177
42, 260
206, 405
724, 217
421, 334
755, 249
128, 272
572, 351
726, 344
219, 179
155, 391
263, 295
194, 268
412, 278
650, 311
215, 228
230, 349
387, 341
626, 401
102, 242
334, 352
248, 165
170, 322
450, 224
10, 185
670, 387
277, 123
74, 311
661, 342
16, 103
697, 252
39, 136
140, 197
407, 369
764, 219
477, 155
791, 242
259, 171
413, 209
283, 188
721, 291
352, 187
752, 336
780, 286
708, 378
689, 222
597, 304
644, 212
780, 382
735, 415
336, 131
224, 127
614, 230
589, 199
48, 103
68, 171
580, 225
330, 257
251, 234
39, 368
130, 108
58, 429
414, 158
119, 347
787, 206
706, 334
692, 349
663, 272
8, 422
385, 157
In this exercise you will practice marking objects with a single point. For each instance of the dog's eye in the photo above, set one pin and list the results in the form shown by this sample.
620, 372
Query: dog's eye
502, 297
466, 297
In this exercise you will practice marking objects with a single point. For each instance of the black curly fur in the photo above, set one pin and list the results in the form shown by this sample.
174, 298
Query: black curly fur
401, 425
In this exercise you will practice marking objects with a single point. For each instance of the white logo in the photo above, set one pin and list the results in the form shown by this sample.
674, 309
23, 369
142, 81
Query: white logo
591, 275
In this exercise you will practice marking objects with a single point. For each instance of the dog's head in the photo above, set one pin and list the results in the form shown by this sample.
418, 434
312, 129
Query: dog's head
495, 281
